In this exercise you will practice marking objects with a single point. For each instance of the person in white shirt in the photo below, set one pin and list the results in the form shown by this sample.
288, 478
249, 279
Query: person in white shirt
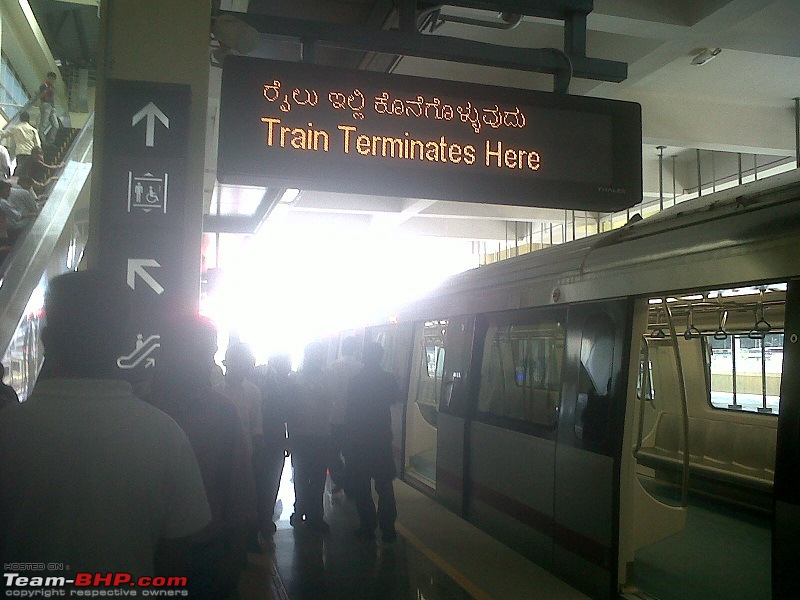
341, 372
5, 163
26, 138
91, 476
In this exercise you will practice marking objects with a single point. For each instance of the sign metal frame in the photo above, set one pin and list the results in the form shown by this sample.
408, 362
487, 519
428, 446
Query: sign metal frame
328, 129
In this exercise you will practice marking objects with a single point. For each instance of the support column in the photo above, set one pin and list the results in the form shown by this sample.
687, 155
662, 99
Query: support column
149, 155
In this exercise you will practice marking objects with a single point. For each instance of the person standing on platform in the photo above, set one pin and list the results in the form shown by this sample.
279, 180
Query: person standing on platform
341, 372
277, 394
309, 439
25, 138
368, 447
91, 476
182, 389
238, 387
48, 121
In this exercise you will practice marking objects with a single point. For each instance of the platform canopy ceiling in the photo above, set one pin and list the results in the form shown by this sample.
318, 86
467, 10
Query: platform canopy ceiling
738, 100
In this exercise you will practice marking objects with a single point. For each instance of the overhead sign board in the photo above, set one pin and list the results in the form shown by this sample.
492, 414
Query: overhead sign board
331, 129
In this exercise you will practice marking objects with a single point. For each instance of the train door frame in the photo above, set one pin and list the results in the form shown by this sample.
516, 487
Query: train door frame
454, 412
644, 519
416, 422
586, 524
786, 494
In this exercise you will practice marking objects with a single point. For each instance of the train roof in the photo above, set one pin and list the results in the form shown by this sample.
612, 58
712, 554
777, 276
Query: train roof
742, 235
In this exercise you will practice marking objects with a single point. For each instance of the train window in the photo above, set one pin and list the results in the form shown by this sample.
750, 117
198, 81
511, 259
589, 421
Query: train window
745, 373
597, 362
434, 355
521, 371
429, 386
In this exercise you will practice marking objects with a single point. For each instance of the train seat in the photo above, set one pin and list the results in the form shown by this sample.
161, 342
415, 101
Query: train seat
726, 451
719, 444
668, 437
698, 432
755, 453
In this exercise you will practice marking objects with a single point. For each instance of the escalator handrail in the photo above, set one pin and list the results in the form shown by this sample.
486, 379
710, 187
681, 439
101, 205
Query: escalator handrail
15, 119
82, 156
32, 255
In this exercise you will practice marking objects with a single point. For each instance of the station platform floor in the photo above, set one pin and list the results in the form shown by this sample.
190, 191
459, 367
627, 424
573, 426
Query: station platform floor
437, 556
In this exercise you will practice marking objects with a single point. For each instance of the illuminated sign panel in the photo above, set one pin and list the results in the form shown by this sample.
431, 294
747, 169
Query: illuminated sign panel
340, 130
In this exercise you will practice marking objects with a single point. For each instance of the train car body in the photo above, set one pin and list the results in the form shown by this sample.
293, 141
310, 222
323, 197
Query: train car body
583, 403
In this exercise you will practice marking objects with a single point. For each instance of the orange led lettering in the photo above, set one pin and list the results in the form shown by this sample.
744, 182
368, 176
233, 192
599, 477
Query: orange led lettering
416, 145
469, 155
432, 151
395, 146
270, 127
296, 137
511, 158
346, 129
363, 145
493, 153
454, 153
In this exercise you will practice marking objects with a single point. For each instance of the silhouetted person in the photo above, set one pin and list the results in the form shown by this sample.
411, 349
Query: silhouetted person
237, 385
91, 476
182, 389
340, 373
277, 393
309, 437
368, 447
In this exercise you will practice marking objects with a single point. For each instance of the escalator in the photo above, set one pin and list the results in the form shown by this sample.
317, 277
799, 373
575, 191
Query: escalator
53, 245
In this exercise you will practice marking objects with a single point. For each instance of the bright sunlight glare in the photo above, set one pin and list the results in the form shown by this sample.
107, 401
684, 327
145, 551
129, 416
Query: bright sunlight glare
287, 287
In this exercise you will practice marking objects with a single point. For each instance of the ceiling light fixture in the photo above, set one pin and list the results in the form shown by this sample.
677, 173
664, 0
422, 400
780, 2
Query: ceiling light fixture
703, 55
507, 20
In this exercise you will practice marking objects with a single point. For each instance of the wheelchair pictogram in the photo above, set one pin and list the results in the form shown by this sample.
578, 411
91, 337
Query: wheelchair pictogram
147, 192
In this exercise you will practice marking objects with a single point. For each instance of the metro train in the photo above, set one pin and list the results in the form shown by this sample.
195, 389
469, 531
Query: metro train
624, 409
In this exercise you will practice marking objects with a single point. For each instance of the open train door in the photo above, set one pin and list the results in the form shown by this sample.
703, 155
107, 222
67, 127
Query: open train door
786, 527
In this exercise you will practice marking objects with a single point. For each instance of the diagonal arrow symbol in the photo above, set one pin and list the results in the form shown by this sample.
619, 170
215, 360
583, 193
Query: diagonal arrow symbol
136, 266
151, 112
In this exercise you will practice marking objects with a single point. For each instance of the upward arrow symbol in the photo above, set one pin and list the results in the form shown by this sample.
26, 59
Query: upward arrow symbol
152, 112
